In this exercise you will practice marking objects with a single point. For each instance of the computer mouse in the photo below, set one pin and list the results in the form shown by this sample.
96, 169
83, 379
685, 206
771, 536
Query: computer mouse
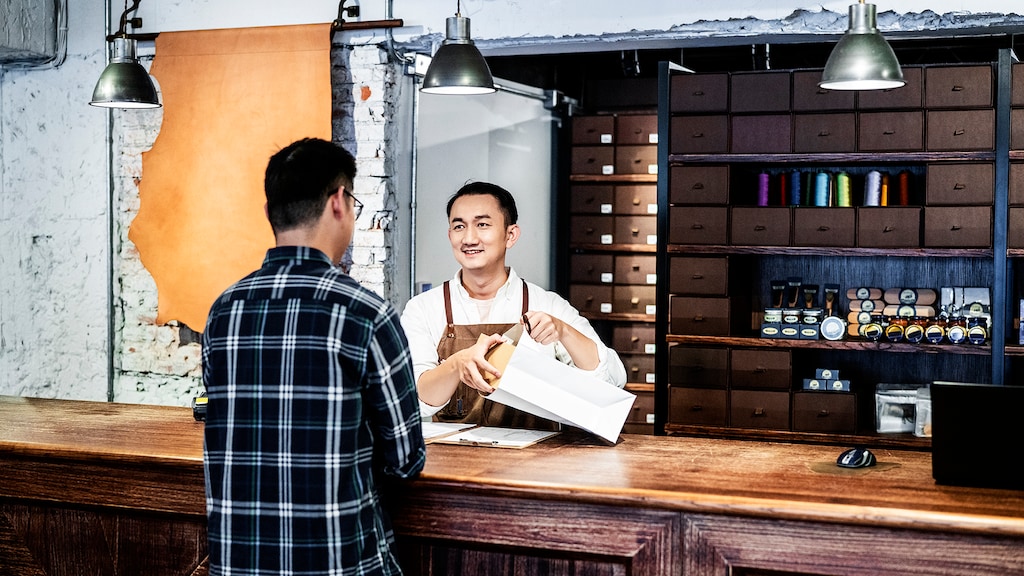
856, 458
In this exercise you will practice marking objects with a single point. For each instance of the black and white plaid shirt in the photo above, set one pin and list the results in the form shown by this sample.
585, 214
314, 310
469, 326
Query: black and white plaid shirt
311, 393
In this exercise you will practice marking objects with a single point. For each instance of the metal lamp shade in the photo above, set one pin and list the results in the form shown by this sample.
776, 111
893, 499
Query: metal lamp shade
124, 83
458, 67
862, 59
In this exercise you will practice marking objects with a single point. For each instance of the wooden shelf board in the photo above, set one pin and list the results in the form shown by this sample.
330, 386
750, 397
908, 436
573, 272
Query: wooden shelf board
615, 178
858, 345
618, 316
637, 248
830, 251
827, 158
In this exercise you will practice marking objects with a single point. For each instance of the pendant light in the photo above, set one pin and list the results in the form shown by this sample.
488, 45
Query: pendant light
862, 60
458, 67
124, 83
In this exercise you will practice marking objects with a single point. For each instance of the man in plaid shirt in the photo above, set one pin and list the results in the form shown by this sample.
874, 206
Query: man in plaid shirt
311, 391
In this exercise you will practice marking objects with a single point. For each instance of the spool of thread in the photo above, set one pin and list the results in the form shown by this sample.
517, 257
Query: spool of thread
782, 188
843, 190
821, 189
762, 189
873, 188
794, 188
884, 194
904, 188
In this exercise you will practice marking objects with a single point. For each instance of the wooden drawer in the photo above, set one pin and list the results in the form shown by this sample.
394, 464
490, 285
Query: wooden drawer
593, 160
700, 276
698, 225
637, 129
634, 338
698, 406
760, 369
1016, 183
592, 268
639, 368
834, 412
628, 299
591, 199
636, 159
635, 230
699, 93
958, 227
1015, 229
591, 229
699, 316
698, 367
960, 184
908, 96
961, 129
759, 409
1017, 129
824, 226
699, 134
808, 96
760, 226
591, 298
889, 227
635, 269
760, 92
593, 130
762, 134
642, 411
699, 185
824, 132
958, 86
636, 199
1017, 91
891, 131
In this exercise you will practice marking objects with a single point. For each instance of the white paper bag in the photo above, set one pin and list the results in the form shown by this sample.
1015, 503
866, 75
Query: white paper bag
545, 387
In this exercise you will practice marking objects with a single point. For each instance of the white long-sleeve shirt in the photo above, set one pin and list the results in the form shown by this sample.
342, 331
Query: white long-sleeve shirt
424, 323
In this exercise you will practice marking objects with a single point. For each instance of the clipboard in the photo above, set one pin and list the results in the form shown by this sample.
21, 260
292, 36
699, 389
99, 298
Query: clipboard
433, 431
495, 437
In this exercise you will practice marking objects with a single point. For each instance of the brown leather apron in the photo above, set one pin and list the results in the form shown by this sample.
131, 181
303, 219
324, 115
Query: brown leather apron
467, 405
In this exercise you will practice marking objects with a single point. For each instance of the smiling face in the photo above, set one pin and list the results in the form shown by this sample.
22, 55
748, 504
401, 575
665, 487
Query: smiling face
478, 234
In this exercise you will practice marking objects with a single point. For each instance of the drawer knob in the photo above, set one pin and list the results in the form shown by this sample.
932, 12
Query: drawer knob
698, 92
635, 231
759, 412
697, 186
636, 201
888, 132
698, 318
698, 134
957, 88
888, 229
760, 228
760, 370
824, 228
696, 408
697, 226
824, 133
634, 300
958, 132
824, 414
636, 268
697, 277
954, 228
634, 339
959, 186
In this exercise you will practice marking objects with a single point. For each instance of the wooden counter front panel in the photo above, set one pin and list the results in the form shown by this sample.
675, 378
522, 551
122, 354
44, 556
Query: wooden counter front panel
445, 533
719, 545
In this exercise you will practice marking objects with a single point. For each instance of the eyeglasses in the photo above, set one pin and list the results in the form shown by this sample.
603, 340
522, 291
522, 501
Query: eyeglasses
355, 202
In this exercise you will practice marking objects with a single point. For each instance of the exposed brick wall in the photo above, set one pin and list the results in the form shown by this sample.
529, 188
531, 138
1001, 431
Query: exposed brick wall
162, 364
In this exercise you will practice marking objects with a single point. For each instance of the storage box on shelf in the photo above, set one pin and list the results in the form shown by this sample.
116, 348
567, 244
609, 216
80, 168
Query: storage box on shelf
773, 178
613, 239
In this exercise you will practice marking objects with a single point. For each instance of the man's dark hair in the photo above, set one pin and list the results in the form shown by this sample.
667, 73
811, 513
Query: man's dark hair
504, 197
301, 177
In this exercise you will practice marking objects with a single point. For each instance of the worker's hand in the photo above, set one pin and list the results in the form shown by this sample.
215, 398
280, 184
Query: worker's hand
471, 364
543, 328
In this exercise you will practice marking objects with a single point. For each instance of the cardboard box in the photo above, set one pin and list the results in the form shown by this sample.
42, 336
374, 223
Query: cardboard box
544, 387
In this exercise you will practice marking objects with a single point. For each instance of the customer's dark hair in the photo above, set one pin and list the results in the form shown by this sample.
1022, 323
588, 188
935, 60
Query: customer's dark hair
301, 177
504, 197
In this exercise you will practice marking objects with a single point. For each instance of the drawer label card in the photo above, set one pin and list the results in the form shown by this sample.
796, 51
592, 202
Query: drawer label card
606, 307
650, 348
652, 238
652, 278
650, 378
606, 238
652, 168
607, 277
606, 138
606, 208
652, 138
607, 170
651, 309
652, 208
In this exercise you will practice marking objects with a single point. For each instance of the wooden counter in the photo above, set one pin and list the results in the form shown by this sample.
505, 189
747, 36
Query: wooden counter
88, 487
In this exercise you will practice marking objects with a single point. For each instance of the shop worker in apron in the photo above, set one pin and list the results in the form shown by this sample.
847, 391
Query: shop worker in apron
486, 297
